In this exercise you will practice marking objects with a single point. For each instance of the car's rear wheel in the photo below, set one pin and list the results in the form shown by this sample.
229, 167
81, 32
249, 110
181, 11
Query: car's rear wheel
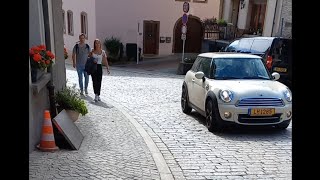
185, 101
213, 122
283, 125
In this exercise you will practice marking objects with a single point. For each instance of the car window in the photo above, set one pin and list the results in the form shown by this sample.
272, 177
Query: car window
260, 45
245, 44
205, 66
232, 47
196, 64
239, 68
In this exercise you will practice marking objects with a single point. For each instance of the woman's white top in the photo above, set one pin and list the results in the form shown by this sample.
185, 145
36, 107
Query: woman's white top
98, 57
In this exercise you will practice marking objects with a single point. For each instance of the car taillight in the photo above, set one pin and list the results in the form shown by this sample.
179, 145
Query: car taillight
269, 62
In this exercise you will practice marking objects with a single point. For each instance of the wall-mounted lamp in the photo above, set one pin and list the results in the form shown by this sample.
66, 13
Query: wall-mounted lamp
242, 4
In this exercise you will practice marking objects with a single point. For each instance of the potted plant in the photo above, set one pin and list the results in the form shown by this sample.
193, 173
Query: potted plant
69, 99
65, 53
113, 46
40, 59
222, 22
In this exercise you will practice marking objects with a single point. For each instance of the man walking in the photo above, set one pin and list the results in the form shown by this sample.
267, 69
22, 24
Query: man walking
80, 54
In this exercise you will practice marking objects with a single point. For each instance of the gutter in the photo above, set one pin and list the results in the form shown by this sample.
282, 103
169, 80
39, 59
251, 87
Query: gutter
274, 17
50, 86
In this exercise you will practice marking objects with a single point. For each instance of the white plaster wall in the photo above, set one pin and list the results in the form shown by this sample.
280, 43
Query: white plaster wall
227, 10
268, 21
120, 17
277, 18
36, 24
243, 15
78, 6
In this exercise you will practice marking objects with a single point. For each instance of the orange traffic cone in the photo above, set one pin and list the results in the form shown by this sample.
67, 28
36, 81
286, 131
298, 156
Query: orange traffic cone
47, 139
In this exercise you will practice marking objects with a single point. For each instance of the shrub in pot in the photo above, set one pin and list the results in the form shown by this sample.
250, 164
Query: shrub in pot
114, 47
69, 99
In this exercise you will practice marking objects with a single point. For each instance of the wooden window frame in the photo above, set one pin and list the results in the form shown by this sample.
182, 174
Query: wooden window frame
84, 24
64, 21
70, 22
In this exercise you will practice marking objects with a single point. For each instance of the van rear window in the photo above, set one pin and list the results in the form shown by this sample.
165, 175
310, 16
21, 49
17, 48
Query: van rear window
282, 50
260, 45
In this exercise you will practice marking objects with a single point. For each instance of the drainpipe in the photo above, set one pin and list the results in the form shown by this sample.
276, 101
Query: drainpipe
50, 86
274, 17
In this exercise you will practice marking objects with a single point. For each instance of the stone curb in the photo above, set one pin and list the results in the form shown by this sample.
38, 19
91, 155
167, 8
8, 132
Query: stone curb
158, 158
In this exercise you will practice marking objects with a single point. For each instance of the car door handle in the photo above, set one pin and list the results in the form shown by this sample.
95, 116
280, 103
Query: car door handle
193, 80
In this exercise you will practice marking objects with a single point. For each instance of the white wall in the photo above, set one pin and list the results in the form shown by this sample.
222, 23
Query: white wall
243, 15
268, 21
36, 24
227, 10
120, 17
277, 18
78, 6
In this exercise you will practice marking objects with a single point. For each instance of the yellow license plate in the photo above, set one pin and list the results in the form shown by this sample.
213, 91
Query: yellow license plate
261, 111
278, 69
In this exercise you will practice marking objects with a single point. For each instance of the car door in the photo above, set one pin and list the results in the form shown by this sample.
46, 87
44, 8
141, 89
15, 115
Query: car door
201, 86
190, 78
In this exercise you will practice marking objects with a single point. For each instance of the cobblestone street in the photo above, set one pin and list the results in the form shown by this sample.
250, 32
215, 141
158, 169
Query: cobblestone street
114, 149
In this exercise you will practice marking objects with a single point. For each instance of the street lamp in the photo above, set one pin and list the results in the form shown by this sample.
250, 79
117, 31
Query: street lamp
242, 4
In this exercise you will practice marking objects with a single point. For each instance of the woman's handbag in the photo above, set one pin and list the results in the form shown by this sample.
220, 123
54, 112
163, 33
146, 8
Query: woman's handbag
91, 66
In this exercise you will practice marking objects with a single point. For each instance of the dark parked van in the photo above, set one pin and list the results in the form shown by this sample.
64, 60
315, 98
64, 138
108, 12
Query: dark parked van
275, 51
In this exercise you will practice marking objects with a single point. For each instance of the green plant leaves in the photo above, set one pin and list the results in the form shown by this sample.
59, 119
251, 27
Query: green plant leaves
113, 46
69, 98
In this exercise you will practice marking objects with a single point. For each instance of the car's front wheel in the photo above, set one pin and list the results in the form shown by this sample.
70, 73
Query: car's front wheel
185, 101
213, 123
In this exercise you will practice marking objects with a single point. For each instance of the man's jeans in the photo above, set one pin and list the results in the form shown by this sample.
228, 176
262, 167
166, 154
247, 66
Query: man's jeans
82, 73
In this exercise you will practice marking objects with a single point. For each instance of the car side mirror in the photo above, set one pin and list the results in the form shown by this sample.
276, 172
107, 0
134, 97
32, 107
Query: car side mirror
199, 75
275, 76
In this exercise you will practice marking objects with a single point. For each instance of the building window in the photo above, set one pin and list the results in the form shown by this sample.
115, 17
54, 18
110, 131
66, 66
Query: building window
84, 24
70, 22
64, 21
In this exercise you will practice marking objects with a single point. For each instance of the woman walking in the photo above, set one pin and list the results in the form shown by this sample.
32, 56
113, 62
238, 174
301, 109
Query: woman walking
100, 57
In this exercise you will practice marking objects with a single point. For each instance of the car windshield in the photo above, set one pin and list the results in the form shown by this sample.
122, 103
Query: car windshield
239, 68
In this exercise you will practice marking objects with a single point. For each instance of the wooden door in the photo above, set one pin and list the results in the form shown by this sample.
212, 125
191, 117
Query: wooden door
194, 34
151, 37
258, 16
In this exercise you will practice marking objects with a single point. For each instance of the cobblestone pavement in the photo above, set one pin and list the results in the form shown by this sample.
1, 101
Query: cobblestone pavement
190, 150
112, 149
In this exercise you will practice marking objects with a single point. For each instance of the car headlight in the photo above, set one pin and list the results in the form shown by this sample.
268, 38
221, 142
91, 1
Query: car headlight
226, 96
288, 95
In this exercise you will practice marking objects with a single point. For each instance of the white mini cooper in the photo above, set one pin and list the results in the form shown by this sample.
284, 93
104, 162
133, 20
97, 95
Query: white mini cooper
235, 88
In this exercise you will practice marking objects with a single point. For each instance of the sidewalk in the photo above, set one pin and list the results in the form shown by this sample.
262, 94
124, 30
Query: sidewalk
163, 64
113, 148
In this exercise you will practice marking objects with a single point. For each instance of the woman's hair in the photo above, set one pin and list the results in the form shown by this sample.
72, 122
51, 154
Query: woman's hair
94, 43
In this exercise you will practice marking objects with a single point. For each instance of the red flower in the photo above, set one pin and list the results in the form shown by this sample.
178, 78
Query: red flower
42, 47
65, 53
37, 57
40, 57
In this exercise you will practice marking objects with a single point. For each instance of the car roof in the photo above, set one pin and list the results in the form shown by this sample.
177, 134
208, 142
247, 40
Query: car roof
228, 55
266, 38
263, 37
